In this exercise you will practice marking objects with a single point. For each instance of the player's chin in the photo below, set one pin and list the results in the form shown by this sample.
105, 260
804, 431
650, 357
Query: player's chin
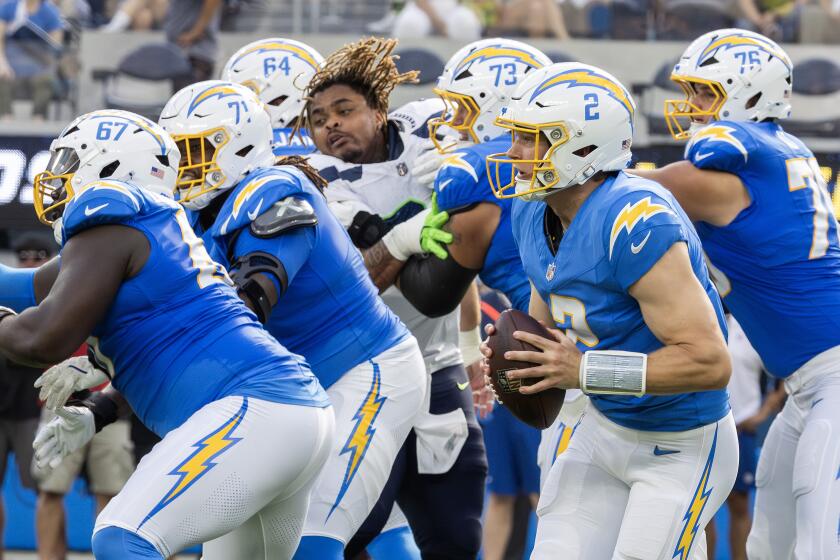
350, 153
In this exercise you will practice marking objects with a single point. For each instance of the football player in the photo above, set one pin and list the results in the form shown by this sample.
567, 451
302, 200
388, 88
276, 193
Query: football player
439, 477
278, 70
765, 218
294, 263
181, 349
615, 263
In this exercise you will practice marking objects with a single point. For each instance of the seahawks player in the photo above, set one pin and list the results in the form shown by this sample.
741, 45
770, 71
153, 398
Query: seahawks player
616, 264
187, 355
765, 219
438, 479
294, 264
278, 70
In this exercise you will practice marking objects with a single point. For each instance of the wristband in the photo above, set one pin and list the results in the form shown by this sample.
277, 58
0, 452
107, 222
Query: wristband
105, 410
468, 342
613, 372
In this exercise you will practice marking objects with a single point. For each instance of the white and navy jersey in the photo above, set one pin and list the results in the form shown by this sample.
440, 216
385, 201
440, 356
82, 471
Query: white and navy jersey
389, 190
619, 233
777, 265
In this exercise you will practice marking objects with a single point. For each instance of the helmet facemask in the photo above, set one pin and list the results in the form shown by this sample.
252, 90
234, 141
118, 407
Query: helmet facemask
198, 171
683, 116
52, 187
458, 106
544, 176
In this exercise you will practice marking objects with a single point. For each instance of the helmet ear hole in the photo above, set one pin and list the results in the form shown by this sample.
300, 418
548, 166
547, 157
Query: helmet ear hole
245, 151
585, 151
752, 101
109, 169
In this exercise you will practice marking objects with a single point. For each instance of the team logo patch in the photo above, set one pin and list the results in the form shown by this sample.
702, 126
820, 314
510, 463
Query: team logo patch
402, 169
508, 385
631, 215
549, 272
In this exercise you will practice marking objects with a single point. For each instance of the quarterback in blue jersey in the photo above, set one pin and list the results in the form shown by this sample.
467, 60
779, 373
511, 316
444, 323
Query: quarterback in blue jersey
615, 263
765, 218
278, 71
294, 262
181, 349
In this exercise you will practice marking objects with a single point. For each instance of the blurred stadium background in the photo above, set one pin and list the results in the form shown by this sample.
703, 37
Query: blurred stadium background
91, 66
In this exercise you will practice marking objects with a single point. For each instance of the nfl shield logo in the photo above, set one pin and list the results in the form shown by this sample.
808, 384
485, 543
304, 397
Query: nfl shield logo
549, 273
402, 169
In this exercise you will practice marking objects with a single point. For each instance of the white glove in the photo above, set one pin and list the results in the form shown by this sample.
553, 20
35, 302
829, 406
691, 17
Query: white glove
64, 379
71, 429
427, 164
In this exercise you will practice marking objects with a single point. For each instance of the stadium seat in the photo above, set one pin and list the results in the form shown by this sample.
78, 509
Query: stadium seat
143, 80
629, 19
651, 100
559, 56
816, 100
684, 20
429, 64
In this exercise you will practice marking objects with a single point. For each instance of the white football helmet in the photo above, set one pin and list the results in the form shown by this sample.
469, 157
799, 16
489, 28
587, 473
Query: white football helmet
223, 132
106, 144
278, 70
584, 117
750, 75
478, 81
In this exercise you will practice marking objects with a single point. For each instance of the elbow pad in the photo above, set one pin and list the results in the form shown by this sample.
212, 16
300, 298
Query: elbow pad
242, 273
435, 287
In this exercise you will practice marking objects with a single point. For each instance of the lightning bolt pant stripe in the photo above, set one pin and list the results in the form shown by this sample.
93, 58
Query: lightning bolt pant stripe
610, 495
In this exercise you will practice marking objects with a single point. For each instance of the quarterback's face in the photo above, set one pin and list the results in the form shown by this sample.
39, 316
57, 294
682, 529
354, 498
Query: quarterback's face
703, 98
526, 146
344, 126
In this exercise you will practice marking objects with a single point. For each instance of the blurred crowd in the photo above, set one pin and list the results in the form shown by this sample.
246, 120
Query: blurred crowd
38, 54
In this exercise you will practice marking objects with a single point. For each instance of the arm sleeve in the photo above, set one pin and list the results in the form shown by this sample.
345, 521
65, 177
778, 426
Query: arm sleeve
17, 287
291, 248
435, 287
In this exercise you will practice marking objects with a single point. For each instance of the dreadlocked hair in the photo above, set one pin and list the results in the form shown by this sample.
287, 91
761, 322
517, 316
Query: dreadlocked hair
367, 66
302, 164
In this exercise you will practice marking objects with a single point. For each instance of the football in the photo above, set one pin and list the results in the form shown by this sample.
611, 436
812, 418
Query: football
538, 410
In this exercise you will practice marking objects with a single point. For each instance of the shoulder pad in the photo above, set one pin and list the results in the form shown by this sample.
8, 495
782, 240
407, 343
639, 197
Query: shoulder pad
253, 196
460, 181
105, 202
721, 145
285, 215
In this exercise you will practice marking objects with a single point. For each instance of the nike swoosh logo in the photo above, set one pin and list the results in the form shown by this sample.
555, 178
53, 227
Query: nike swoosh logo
444, 184
253, 215
701, 157
462, 386
636, 248
658, 451
816, 402
90, 211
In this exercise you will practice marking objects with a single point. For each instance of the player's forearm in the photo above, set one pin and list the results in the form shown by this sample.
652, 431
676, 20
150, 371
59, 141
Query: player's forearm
382, 266
31, 339
205, 16
688, 367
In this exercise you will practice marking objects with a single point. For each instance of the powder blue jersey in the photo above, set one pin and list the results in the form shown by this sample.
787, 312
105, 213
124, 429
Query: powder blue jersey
777, 265
461, 183
622, 229
176, 336
331, 312
287, 143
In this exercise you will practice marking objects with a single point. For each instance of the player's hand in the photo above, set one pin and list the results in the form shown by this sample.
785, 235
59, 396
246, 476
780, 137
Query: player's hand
64, 379
6, 72
187, 38
71, 429
751, 424
558, 362
483, 397
426, 165
433, 238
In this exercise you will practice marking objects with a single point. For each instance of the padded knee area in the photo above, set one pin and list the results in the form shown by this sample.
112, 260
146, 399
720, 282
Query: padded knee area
319, 548
115, 543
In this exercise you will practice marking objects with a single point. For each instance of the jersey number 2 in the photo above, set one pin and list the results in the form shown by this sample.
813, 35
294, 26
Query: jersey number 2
804, 173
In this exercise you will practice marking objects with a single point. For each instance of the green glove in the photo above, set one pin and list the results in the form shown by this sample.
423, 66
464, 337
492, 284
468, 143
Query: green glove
433, 239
